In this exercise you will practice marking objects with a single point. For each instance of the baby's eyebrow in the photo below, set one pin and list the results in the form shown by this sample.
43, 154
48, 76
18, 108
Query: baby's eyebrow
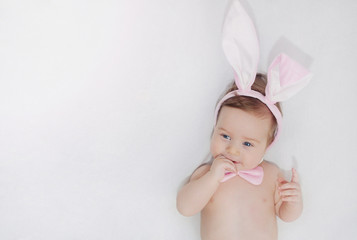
252, 139
221, 128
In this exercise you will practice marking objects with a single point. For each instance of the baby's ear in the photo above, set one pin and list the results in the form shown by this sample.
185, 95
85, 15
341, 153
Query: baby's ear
285, 78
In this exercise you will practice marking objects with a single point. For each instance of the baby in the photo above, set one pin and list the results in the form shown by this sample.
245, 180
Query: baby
239, 194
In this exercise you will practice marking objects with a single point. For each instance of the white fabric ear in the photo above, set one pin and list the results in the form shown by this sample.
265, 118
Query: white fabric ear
285, 78
240, 45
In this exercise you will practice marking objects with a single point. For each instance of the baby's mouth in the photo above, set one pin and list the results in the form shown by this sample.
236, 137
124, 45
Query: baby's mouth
235, 162
229, 158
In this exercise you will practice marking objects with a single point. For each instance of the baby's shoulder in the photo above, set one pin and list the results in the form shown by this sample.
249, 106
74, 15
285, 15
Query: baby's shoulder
270, 168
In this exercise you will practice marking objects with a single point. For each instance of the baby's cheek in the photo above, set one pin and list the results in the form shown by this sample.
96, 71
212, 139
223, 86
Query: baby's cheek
214, 147
213, 151
255, 161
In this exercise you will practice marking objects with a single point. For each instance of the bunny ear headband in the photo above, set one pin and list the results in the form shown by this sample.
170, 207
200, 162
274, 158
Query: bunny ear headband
240, 45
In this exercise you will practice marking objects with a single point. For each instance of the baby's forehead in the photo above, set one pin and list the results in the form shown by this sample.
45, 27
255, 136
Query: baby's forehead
237, 120
228, 112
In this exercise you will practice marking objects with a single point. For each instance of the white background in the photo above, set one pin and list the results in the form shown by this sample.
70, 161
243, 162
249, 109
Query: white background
106, 107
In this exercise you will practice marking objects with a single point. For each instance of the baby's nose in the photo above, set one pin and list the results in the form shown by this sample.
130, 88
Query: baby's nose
233, 150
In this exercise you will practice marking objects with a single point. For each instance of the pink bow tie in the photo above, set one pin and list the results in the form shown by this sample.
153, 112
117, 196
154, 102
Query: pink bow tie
254, 176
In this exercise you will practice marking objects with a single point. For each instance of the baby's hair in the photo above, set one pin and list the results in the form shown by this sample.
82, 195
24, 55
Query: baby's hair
253, 105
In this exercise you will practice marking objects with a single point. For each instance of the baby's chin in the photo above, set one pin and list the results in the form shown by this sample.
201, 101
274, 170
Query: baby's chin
242, 167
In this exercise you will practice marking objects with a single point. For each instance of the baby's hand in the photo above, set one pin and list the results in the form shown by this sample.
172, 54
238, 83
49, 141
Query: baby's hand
220, 166
290, 191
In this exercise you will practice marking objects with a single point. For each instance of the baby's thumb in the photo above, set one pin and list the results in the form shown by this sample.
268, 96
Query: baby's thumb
295, 176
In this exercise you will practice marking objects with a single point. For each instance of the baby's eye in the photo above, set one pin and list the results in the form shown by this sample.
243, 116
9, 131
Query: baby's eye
248, 144
226, 136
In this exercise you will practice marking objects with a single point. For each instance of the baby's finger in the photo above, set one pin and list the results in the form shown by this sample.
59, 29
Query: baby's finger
230, 165
291, 199
282, 180
289, 193
295, 176
220, 156
290, 185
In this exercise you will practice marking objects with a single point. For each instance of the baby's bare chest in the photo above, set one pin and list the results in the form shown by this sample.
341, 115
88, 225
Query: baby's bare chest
240, 200
240, 208
240, 192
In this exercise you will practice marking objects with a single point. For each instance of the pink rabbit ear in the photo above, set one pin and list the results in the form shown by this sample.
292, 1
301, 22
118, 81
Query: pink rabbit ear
285, 78
240, 45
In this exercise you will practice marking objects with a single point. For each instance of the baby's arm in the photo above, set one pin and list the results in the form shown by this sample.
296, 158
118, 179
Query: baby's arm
289, 198
194, 196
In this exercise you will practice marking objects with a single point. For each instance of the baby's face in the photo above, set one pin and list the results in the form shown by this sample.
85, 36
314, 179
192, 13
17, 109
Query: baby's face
240, 137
